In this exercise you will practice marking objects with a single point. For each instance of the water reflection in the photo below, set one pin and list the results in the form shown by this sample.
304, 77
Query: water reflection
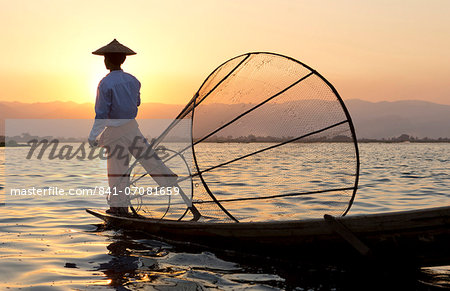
138, 262
55, 244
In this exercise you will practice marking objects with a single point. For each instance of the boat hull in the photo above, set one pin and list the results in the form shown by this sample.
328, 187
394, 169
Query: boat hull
418, 237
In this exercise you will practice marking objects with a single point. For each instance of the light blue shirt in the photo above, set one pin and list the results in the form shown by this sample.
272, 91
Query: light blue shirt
118, 98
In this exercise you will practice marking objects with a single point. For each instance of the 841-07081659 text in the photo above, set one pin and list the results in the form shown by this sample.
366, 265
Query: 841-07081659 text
101, 191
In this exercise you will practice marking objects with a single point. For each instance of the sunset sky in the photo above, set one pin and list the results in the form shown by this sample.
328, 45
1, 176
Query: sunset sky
372, 50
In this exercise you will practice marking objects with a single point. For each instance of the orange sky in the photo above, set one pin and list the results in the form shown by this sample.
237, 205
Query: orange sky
371, 50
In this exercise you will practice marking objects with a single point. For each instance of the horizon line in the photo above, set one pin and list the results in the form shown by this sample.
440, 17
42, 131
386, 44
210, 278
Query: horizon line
181, 104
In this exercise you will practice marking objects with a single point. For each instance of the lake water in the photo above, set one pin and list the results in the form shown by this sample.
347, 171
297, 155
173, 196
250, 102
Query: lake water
54, 245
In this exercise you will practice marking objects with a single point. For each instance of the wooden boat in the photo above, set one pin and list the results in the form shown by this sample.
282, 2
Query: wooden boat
418, 237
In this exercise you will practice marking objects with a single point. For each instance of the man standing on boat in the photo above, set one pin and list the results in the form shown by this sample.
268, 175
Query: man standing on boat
116, 107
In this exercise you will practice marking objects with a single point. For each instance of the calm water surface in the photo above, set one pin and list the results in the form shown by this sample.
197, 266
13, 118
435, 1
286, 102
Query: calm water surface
54, 245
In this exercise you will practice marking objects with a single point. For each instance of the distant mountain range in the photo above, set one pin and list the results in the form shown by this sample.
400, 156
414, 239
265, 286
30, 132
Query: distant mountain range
374, 120
391, 119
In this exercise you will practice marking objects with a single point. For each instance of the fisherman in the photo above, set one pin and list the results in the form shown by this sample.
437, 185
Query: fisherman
116, 107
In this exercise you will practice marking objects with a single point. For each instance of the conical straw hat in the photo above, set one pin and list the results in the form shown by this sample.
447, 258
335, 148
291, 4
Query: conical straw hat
114, 47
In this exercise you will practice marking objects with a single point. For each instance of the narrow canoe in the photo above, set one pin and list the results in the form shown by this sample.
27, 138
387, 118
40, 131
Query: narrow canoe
419, 237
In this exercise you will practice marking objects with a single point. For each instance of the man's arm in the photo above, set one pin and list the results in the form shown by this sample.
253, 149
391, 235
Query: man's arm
139, 94
102, 109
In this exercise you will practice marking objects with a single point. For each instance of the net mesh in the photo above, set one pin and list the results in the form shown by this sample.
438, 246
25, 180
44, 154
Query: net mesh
271, 140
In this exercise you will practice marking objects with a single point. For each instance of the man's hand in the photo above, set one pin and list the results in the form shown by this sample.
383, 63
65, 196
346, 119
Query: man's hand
92, 143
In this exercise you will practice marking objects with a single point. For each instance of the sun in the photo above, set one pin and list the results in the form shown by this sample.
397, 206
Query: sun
98, 72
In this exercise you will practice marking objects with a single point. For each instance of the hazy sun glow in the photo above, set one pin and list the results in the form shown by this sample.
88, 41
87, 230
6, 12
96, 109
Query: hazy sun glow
372, 50
97, 73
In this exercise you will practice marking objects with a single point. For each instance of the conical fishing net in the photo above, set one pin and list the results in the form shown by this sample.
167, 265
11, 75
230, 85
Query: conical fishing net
270, 140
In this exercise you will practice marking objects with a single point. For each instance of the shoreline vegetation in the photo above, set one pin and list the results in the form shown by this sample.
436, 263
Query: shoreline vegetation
404, 138
23, 141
